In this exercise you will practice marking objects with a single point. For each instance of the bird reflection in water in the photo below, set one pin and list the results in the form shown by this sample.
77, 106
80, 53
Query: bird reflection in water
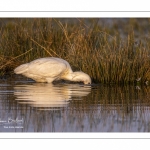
49, 96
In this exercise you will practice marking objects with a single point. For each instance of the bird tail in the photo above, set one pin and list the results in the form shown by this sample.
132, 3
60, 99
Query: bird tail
21, 69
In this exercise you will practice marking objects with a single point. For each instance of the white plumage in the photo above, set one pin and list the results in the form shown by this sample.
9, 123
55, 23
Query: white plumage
51, 68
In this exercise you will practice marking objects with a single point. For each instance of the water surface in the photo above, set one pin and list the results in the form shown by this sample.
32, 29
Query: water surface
26, 106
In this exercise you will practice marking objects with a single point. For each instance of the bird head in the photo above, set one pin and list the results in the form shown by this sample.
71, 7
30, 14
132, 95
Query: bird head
81, 77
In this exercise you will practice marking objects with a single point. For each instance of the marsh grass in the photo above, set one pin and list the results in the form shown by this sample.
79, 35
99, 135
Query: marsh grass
114, 54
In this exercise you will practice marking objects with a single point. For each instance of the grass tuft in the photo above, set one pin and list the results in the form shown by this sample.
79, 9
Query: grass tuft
119, 54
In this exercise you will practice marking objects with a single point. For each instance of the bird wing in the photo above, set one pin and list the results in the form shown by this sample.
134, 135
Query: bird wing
47, 67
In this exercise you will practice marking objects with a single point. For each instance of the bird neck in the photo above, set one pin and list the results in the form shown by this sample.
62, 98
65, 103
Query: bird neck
68, 76
72, 76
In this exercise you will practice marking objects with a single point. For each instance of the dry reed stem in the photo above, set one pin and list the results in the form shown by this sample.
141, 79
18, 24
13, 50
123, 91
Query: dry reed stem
45, 48
65, 32
15, 58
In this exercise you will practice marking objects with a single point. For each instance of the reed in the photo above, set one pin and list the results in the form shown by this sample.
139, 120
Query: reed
107, 54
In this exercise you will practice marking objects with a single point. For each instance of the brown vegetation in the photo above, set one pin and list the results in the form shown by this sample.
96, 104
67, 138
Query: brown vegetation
116, 53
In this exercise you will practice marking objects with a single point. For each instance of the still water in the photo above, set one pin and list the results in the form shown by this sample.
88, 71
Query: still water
26, 106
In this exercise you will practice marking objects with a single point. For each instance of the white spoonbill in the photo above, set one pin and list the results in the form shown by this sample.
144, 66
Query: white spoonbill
49, 69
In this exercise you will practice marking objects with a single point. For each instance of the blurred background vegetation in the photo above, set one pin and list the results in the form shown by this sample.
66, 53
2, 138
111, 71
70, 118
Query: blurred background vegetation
110, 50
